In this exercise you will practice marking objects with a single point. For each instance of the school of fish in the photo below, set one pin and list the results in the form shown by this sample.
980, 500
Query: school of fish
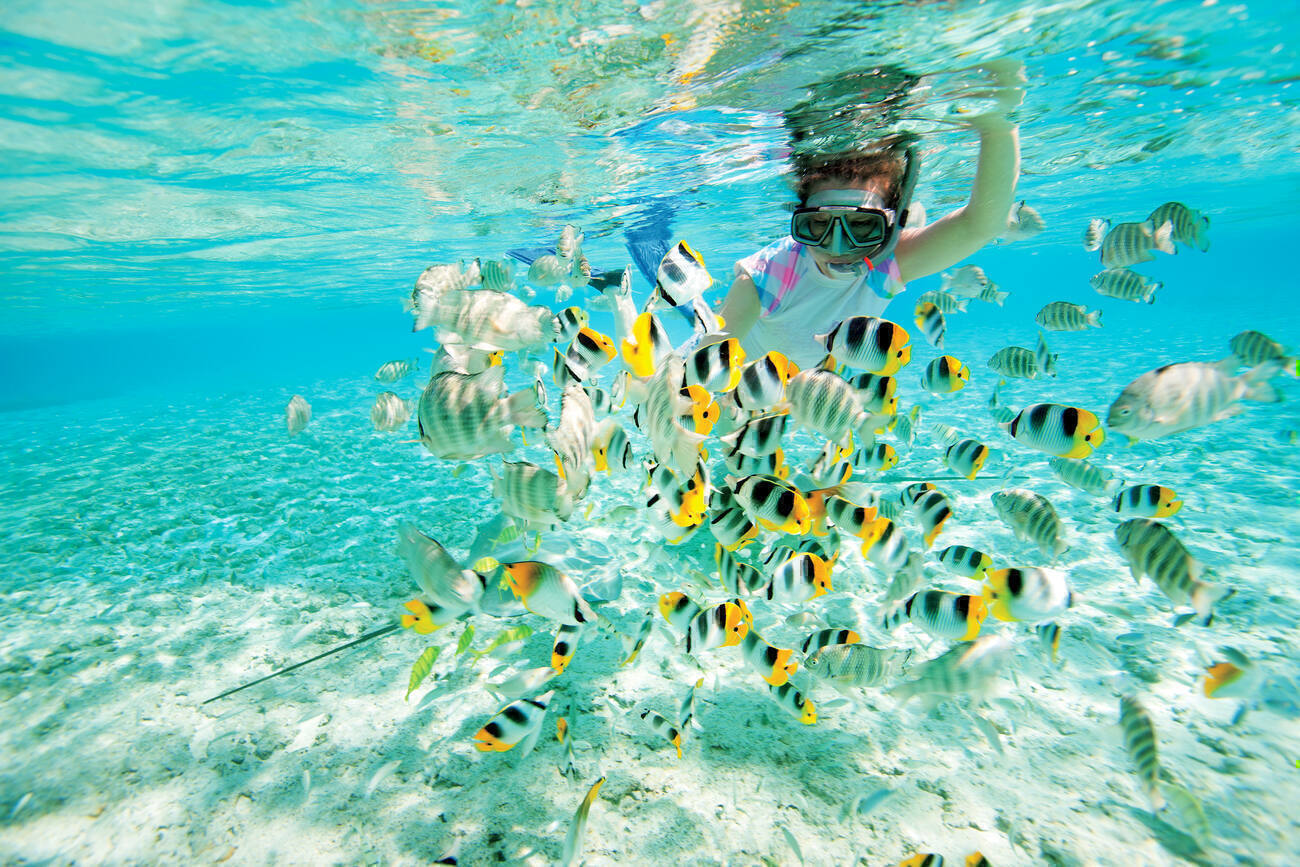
718, 441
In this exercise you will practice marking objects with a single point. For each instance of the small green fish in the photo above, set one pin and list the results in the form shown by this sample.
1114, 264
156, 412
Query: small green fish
506, 636
466, 639
421, 670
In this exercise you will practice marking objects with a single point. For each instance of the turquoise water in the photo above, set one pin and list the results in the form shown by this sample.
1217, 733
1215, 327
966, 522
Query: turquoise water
212, 207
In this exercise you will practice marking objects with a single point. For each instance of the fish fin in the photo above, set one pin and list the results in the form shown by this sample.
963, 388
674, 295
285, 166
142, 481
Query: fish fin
1258, 388
1082, 450
1162, 238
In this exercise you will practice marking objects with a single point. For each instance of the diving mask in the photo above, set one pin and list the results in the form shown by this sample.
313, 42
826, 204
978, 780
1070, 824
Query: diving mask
855, 222
840, 228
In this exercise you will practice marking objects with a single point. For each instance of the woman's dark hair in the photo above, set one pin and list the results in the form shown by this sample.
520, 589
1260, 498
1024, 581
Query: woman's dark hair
884, 157
828, 128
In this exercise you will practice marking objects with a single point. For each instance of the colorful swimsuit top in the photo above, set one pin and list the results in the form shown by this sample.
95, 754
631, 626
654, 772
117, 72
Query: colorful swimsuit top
798, 300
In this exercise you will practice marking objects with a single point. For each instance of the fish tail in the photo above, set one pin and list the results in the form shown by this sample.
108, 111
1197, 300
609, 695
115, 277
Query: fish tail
1258, 387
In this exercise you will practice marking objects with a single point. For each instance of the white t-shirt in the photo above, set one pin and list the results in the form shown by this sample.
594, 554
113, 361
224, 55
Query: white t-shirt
798, 300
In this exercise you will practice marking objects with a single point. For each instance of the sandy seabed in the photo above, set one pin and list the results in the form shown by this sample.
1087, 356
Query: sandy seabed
159, 554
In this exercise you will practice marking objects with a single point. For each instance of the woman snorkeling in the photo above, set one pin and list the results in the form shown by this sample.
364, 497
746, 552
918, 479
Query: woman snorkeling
850, 248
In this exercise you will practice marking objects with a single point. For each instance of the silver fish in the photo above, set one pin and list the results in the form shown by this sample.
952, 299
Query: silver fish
945, 301
822, 402
854, 665
569, 244
1180, 397
532, 494
497, 275
389, 412
1254, 348
297, 414
1094, 233
1125, 285
968, 281
1189, 227
1046, 358
1153, 550
1131, 243
968, 668
573, 437
1140, 742
1064, 316
485, 319
467, 416
1087, 477
1024, 222
547, 270
1015, 362
439, 577
1033, 518
394, 370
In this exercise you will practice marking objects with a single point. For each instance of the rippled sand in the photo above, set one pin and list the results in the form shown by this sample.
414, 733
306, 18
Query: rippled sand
161, 554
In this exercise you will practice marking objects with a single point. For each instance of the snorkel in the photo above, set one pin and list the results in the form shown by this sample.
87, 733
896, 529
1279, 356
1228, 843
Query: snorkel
911, 167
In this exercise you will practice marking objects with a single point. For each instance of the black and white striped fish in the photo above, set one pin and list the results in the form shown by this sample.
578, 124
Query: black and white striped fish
773, 664
762, 382
1131, 243
1140, 743
1186, 225
876, 393
939, 613
1079, 473
965, 561
738, 578
1153, 550
826, 637
1032, 518
758, 437
1065, 316
966, 457
929, 318
1125, 285
1146, 501
517, 723
717, 366
1057, 429
870, 344
1015, 362
794, 703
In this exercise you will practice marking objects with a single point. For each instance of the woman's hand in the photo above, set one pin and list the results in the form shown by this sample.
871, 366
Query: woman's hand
1007, 77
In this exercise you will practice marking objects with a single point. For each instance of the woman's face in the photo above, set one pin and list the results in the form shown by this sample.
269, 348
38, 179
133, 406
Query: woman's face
848, 192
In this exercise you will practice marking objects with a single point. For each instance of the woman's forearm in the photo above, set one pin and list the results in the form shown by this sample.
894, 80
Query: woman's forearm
994, 188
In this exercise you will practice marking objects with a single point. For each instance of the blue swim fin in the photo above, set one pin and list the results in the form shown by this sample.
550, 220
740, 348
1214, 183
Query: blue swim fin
650, 239
528, 255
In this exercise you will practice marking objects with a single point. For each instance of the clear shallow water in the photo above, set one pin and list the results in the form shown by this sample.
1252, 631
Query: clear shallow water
210, 208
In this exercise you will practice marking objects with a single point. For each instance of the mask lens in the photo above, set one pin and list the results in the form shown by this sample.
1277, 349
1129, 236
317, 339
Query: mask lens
810, 226
865, 228
818, 223
861, 228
